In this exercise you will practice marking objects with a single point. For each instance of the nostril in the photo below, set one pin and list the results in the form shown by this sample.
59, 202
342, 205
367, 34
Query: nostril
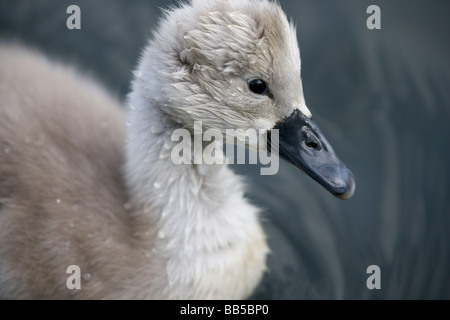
311, 140
312, 145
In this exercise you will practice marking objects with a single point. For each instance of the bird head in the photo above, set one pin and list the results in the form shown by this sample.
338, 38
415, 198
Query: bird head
235, 64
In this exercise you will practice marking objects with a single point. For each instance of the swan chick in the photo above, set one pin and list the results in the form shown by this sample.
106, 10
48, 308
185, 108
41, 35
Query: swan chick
84, 183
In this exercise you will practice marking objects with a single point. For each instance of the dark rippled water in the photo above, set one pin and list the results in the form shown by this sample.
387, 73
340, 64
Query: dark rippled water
381, 97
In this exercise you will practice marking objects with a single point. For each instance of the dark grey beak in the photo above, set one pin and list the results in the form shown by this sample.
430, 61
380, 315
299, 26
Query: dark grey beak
302, 144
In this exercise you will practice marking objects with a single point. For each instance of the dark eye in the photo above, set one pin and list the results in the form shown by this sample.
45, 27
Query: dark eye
257, 86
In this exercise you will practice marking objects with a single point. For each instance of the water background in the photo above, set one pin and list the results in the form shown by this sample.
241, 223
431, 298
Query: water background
381, 97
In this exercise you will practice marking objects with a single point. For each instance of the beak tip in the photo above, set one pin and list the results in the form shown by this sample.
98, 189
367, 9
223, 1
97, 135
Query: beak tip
351, 186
